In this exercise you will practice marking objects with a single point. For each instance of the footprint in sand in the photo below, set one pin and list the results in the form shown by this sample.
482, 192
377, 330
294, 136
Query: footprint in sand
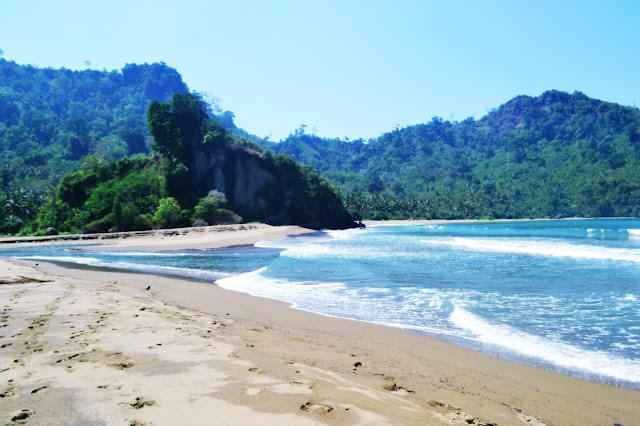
534, 420
142, 402
121, 365
23, 416
39, 389
393, 387
316, 407
7, 394
457, 415
468, 418
524, 418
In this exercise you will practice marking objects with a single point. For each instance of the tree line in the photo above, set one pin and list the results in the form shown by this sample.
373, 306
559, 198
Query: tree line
551, 156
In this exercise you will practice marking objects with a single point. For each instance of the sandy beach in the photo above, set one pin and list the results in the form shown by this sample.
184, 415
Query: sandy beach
93, 347
168, 239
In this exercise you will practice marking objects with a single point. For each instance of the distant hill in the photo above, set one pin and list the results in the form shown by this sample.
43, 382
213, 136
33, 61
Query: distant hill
554, 155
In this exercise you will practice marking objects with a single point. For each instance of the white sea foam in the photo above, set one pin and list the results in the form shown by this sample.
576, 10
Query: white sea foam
309, 251
138, 267
596, 233
283, 244
496, 230
257, 284
319, 250
315, 238
145, 253
633, 233
435, 330
170, 270
555, 353
436, 302
542, 248
377, 290
342, 234
67, 259
626, 303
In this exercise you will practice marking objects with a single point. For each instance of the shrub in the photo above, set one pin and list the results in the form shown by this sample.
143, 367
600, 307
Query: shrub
128, 218
168, 213
178, 183
99, 226
208, 210
207, 207
226, 217
11, 225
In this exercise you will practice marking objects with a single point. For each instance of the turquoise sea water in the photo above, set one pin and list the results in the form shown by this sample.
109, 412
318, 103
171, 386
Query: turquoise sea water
562, 295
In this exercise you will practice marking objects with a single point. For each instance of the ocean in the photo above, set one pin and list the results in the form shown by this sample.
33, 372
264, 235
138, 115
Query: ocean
563, 295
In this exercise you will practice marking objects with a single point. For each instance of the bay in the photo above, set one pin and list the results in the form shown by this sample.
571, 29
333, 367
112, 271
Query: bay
560, 294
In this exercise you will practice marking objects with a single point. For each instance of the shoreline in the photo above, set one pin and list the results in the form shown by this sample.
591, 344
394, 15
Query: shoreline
459, 343
521, 360
217, 236
434, 382
400, 222
174, 238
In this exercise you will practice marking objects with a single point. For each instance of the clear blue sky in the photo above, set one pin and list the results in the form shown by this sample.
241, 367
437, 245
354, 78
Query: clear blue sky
347, 68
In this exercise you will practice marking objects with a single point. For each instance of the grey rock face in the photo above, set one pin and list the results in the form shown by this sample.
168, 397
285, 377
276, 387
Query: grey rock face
254, 189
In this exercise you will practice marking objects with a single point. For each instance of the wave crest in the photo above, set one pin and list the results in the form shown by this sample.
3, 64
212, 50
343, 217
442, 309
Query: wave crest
556, 353
540, 248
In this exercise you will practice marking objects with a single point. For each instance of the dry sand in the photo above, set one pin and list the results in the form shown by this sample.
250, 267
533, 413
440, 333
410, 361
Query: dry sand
169, 239
92, 347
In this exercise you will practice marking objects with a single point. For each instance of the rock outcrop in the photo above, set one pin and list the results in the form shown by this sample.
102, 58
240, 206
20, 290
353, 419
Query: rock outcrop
270, 189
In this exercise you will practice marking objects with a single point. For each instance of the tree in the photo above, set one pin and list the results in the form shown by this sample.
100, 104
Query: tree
177, 125
165, 135
168, 213
216, 135
375, 183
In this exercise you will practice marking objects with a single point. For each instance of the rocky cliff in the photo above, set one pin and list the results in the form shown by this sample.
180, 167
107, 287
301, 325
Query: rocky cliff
257, 184
271, 189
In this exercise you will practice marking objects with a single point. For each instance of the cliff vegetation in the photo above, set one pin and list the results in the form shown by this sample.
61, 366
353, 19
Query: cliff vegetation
200, 174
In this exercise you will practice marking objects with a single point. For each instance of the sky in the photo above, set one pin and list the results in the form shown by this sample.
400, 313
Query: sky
347, 69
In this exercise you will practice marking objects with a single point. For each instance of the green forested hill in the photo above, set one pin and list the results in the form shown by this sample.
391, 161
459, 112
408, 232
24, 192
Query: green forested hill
58, 114
51, 119
555, 155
